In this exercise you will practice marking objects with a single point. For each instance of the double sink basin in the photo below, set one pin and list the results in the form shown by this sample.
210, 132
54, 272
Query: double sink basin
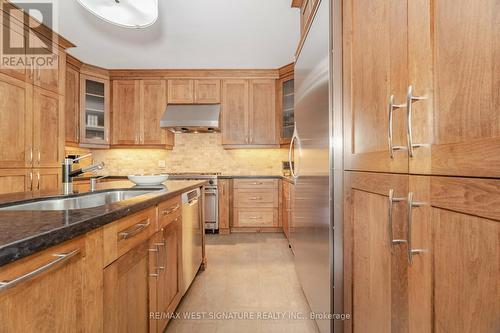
83, 201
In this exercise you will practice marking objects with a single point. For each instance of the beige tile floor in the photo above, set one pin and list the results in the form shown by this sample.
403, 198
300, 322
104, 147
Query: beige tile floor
247, 275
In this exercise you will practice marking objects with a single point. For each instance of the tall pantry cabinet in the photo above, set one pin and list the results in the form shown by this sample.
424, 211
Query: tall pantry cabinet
422, 161
32, 125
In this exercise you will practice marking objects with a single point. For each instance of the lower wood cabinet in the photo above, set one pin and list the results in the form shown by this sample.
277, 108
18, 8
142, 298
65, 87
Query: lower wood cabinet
52, 300
287, 210
255, 203
127, 284
224, 189
422, 253
169, 279
27, 180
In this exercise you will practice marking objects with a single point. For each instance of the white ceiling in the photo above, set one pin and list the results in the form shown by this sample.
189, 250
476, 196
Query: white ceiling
188, 34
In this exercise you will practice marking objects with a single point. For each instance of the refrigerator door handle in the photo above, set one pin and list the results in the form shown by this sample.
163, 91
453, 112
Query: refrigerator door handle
295, 136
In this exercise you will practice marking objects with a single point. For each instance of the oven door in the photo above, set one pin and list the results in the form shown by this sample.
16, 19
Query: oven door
211, 208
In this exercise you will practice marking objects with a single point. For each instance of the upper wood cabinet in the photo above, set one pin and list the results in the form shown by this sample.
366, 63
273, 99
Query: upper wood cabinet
207, 91
180, 91
72, 105
235, 104
48, 118
126, 115
285, 97
194, 91
60, 311
263, 128
94, 111
137, 109
249, 113
16, 34
439, 62
16, 123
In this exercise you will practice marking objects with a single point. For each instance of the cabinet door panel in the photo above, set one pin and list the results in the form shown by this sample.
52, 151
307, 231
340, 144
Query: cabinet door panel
459, 122
13, 181
51, 301
180, 91
377, 28
47, 179
263, 112
126, 112
454, 283
51, 76
375, 270
207, 91
223, 188
235, 100
16, 40
15, 123
153, 103
126, 292
72, 106
48, 128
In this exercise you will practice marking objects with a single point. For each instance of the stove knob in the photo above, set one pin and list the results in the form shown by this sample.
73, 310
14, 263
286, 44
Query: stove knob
211, 182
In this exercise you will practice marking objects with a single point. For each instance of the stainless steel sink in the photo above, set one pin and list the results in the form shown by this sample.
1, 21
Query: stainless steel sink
79, 202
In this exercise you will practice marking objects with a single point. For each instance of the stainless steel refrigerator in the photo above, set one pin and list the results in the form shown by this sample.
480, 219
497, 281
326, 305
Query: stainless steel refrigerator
312, 152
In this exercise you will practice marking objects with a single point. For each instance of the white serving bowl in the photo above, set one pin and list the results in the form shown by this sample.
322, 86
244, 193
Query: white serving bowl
148, 180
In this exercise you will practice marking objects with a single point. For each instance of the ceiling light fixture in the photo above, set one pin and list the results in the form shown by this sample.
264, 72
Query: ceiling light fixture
135, 14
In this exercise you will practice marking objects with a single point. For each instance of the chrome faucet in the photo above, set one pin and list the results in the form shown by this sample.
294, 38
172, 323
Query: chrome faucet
68, 173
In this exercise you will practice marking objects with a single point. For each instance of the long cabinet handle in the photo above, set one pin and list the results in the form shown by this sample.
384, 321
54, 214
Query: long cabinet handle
392, 200
134, 230
410, 99
38, 180
31, 155
158, 246
411, 205
61, 258
31, 181
170, 210
392, 107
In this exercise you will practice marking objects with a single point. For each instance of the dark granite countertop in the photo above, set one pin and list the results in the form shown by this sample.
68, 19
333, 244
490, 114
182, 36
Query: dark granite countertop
249, 176
23, 233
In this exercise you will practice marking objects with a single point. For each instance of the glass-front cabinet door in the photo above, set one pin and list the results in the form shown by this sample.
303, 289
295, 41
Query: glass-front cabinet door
94, 111
287, 107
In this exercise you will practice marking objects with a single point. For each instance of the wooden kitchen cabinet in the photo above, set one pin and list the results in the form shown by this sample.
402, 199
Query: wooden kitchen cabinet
255, 203
286, 208
72, 106
16, 123
126, 291
47, 179
15, 180
194, 91
180, 91
249, 114
126, 127
377, 28
285, 97
262, 117
224, 188
48, 128
94, 110
169, 276
137, 109
49, 301
207, 91
375, 270
16, 35
235, 106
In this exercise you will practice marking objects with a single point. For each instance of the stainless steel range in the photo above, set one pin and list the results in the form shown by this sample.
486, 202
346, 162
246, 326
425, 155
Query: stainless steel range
211, 196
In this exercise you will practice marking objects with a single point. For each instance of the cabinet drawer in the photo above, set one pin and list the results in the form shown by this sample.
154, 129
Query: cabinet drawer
123, 235
250, 217
256, 198
169, 211
256, 183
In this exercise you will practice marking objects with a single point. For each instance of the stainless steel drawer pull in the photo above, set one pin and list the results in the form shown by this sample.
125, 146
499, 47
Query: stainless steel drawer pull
257, 183
255, 217
391, 202
392, 108
410, 99
61, 258
256, 198
134, 230
412, 204
170, 210
158, 246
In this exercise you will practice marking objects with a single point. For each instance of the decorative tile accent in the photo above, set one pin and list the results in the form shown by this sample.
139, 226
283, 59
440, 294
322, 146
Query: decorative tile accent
194, 153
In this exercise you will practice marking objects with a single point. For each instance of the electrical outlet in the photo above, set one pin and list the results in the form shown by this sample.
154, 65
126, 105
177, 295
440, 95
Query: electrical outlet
162, 164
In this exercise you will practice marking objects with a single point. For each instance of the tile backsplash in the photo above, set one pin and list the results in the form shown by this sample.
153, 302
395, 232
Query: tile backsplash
193, 153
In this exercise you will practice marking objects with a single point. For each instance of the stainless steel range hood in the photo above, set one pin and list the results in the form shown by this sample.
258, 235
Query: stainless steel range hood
192, 118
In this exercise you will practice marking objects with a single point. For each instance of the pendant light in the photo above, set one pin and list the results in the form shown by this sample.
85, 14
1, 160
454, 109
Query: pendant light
134, 14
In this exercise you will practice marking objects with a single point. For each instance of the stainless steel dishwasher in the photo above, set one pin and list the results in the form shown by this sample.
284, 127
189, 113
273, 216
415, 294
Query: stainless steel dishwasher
192, 236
